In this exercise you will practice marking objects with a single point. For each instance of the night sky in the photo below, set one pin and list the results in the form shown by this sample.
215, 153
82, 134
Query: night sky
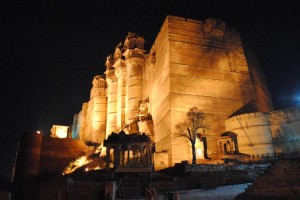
51, 50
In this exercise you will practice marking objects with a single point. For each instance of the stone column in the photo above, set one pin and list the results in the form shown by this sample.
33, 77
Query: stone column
122, 153
128, 155
142, 151
112, 99
120, 72
116, 157
135, 60
231, 147
99, 110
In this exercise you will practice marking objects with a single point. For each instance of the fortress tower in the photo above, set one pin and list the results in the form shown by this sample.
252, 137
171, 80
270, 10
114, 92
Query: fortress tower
95, 130
191, 63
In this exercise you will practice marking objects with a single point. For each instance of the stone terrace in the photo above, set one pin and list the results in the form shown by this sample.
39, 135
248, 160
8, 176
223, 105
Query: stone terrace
282, 180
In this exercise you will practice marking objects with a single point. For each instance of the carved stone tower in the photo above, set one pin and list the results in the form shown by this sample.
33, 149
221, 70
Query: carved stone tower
191, 63
95, 131
112, 89
135, 62
120, 73
124, 81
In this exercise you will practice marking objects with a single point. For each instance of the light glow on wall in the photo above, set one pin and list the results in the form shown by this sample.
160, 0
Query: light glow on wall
58, 131
199, 153
61, 133
199, 149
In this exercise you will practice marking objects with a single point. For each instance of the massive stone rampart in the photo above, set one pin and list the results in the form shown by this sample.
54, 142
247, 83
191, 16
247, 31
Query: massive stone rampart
191, 63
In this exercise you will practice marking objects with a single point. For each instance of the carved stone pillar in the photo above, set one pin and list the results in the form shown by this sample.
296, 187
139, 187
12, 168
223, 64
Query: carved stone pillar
231, 146
122, 151
116, 157
135, 60
112, 99
141, 157
120, 72
128, 156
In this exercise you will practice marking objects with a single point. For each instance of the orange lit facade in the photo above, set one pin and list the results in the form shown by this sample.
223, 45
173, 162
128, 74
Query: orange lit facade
58, 131
191, 63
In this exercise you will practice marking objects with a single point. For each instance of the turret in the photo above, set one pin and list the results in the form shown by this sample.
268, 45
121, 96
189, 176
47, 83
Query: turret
112, 89
96, 113
135, 61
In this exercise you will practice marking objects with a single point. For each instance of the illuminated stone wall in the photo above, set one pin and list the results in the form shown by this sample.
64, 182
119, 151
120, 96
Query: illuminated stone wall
82, 122
254, 134
59, 131
191, 63
158, 92
197, 64
120, 72
89, 125
112, 99
40, 156
75, 127
95, 131
257, 132
285, 126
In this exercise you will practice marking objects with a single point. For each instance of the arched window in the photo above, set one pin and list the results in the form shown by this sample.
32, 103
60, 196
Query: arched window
229, 143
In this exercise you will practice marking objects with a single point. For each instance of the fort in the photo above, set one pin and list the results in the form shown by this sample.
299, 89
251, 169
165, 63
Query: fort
191, 63
146, 93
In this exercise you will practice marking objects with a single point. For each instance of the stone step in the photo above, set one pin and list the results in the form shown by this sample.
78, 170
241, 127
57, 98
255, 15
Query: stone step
276, 181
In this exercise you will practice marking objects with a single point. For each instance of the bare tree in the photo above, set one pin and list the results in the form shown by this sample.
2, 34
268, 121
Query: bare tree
190, 127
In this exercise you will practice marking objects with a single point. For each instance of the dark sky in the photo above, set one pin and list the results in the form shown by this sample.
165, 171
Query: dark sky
51, 50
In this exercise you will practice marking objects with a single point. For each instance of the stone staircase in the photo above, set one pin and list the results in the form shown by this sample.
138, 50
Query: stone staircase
281, 181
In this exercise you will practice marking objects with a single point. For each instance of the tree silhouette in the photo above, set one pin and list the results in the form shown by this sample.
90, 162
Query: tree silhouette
189, 128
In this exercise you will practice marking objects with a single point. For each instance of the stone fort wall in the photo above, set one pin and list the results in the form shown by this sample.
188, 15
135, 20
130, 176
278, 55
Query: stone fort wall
191, 63
267, 134
199, 64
